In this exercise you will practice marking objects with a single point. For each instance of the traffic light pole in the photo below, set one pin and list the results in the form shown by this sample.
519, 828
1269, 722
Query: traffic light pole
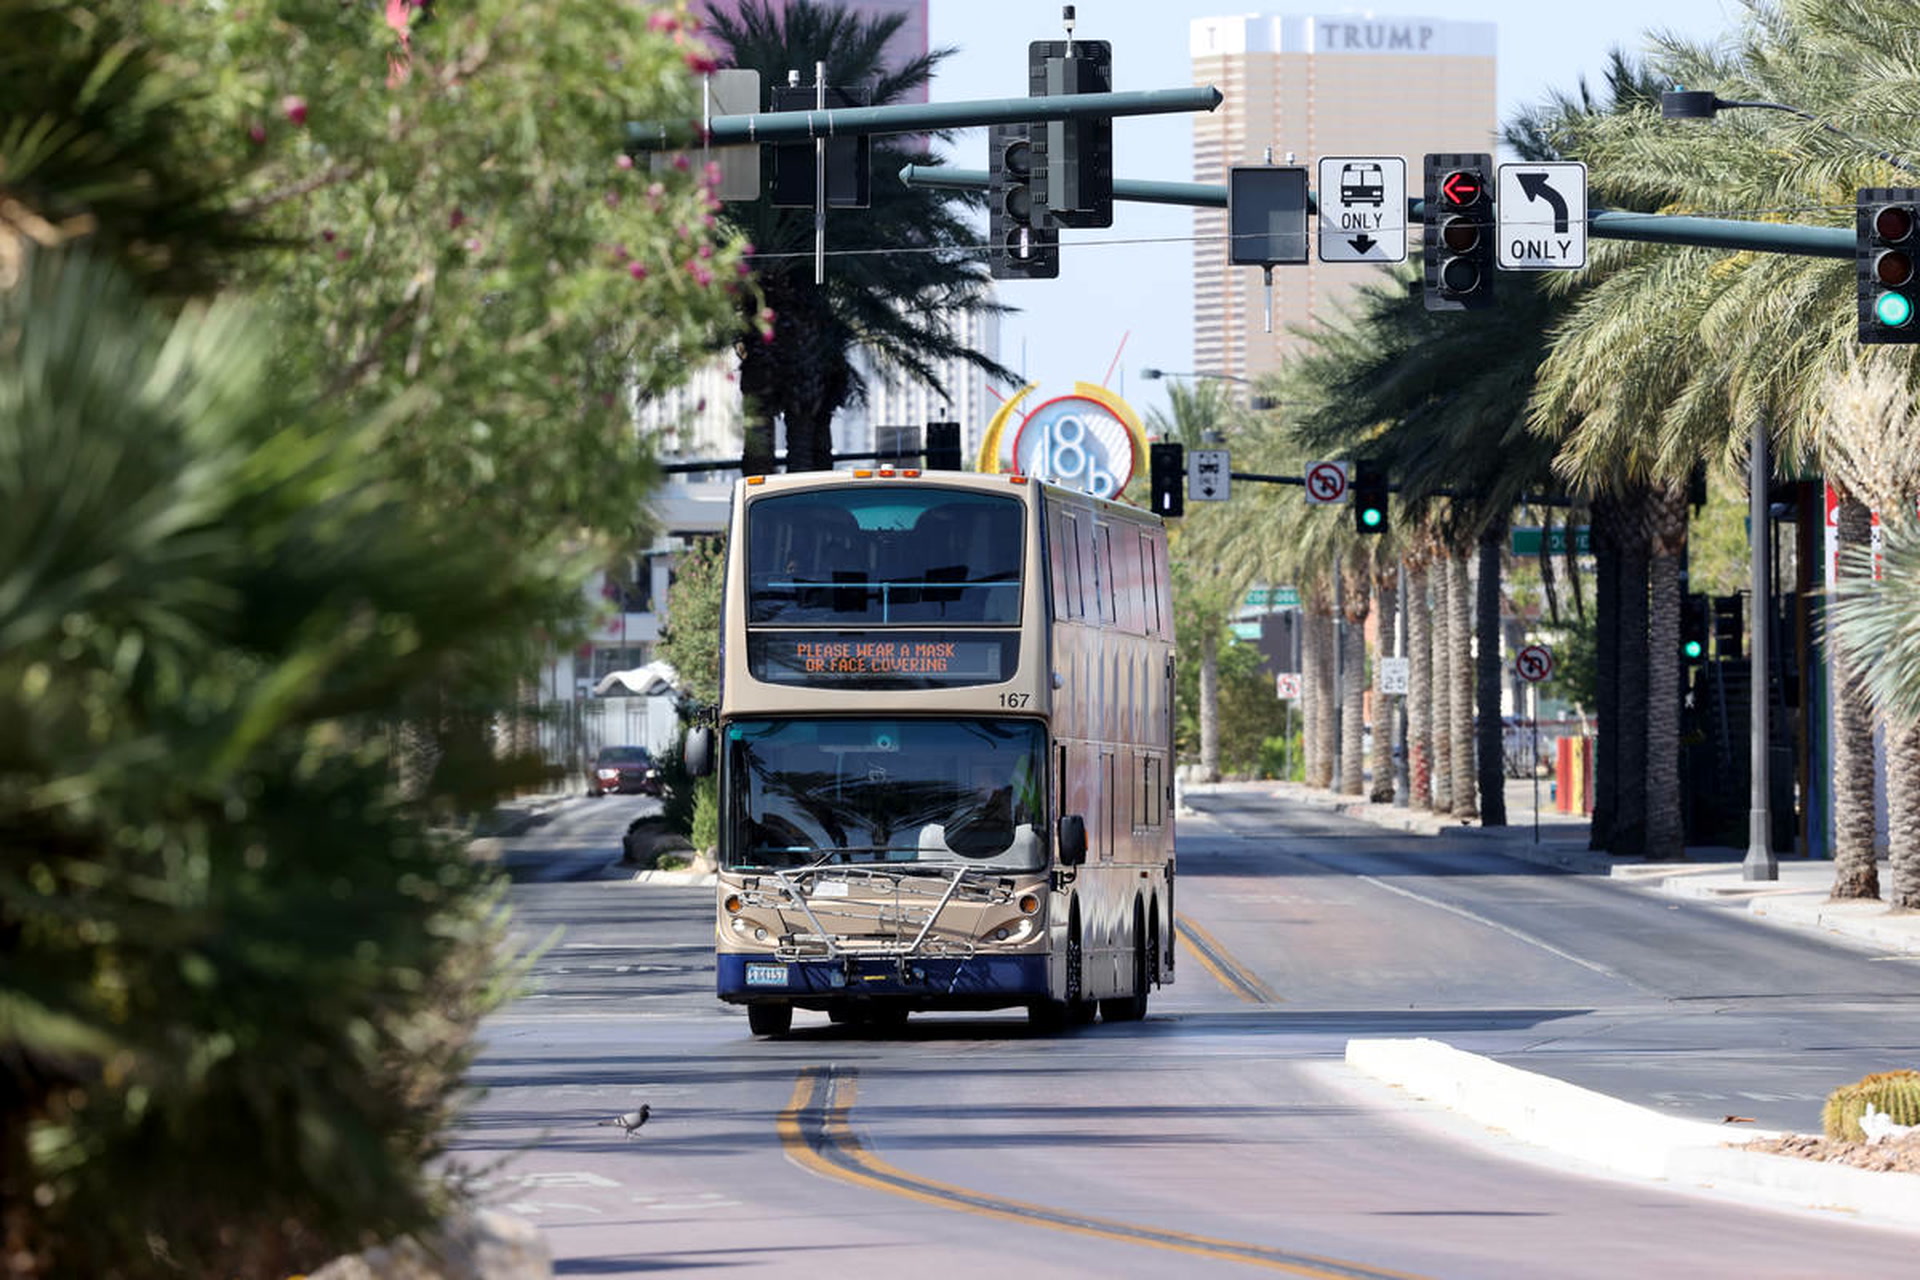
1603, 224
914, 117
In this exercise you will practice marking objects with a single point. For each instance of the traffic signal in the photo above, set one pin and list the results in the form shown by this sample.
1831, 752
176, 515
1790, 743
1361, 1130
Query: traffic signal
1073, 159
849, 158
1021, 243
1695, 615
1729, 625
1457, 217
1886, 249
1369, 498
943, 446
1167, 464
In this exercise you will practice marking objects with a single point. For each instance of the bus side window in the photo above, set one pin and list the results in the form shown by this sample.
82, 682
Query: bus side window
1149, 585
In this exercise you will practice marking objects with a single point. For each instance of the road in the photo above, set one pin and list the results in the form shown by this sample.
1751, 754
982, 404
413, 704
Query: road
1221, 1135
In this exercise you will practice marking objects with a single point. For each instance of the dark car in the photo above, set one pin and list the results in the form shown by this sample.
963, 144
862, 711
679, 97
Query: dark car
625, 770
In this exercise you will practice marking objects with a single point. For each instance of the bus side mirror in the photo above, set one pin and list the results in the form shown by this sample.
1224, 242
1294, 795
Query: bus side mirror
697, 755
1073, 840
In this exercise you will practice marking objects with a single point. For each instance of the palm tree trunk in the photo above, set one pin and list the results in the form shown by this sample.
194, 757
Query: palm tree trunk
1608, 541
1385, 594
1903, 813
1630, 725
1353, 693
1855, 872
1666, 829
1419, 687
1316, 686
757, 409
1324, 678
1487, 669
1209, 705
1442, 713
1460, 701
1310, 693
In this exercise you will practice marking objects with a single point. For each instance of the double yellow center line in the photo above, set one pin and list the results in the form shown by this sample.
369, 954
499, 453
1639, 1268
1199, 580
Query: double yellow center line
817, 1134
1218, 961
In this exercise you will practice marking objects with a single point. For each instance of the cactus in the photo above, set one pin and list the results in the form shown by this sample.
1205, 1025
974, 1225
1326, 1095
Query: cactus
1895, 1092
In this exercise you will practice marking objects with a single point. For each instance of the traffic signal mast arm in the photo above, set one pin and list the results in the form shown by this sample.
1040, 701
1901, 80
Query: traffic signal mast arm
1604, 224
915, 117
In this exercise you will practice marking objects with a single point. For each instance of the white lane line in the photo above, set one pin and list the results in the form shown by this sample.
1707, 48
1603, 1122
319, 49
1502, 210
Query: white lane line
1510, 931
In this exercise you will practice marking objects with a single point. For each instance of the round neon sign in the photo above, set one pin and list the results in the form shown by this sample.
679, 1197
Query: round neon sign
1077, 442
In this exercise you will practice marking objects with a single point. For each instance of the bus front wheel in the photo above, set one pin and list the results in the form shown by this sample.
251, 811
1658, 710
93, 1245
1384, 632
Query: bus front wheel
769, 1019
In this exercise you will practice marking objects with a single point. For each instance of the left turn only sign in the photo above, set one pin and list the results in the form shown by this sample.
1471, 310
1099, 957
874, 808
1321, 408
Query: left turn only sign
1540, 219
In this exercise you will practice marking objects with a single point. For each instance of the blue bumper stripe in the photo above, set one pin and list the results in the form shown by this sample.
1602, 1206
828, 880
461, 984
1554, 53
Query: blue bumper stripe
1024, 975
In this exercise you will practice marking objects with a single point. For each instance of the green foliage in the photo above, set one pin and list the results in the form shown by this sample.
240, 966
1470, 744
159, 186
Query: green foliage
678, 788
1248, 710
460, 234
1576, 658
238, 972
1897, 1093
691, 638
705, 832
1284, 756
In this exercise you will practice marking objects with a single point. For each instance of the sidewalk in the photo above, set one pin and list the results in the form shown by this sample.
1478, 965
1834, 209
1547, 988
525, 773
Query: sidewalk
1607, 1132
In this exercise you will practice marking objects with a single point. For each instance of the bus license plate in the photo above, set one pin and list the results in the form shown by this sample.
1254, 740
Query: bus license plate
766, 975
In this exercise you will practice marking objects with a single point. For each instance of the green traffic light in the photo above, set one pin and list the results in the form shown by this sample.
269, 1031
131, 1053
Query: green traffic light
1371, 517
1893, 310
1694, 648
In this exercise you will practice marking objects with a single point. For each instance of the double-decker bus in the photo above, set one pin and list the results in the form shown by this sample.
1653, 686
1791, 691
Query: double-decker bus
944, 747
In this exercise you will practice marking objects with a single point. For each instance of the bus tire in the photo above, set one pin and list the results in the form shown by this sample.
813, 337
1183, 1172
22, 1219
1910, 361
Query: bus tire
1047, 1017
1134, 1007
843, 1012
770, 1019
1079, 1009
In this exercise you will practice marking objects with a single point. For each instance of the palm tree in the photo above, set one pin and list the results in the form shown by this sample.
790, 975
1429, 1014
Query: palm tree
1868, 435
898, 271
1214, 577
1674, 353
1356, 577
1419, 683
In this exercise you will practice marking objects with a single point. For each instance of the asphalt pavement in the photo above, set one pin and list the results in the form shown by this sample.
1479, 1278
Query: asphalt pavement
1590, 1127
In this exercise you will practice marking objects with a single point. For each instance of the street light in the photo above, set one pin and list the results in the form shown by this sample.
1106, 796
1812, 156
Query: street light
1258, 403
1760, 863
1703, 104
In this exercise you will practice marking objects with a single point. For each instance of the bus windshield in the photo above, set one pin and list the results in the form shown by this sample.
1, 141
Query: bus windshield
827, 791
886, 553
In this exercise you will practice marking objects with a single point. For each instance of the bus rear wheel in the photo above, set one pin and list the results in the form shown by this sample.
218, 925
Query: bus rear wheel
1134, 1007
769, 1019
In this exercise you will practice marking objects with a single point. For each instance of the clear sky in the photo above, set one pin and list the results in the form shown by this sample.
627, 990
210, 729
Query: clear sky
1129, 282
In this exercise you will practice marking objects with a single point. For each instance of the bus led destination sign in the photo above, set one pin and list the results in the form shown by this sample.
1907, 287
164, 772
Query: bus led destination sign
895, 660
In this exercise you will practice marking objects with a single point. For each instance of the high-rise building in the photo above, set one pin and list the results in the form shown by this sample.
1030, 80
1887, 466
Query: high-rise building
1324, 85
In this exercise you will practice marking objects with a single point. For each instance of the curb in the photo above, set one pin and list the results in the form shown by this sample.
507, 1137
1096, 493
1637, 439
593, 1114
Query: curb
1627, 1139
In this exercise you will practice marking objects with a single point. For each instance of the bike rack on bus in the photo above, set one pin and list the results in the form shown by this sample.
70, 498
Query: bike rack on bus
794, 883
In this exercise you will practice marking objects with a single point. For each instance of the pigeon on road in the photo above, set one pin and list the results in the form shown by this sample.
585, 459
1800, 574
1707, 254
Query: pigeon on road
632, 1120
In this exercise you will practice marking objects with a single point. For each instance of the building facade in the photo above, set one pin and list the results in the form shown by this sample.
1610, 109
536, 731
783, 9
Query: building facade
1312, 86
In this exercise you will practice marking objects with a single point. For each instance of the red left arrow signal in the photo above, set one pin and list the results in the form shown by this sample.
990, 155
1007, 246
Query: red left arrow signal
1462, 187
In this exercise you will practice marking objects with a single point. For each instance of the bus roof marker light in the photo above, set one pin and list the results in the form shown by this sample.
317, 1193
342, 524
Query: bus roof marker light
863, 475
756, 479
911, 473
1016, 479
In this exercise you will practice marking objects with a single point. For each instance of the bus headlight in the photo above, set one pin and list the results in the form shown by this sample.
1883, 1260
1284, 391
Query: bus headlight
759, 935
739, 925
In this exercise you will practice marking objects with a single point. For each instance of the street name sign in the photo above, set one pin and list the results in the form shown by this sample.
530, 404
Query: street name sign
1540, 219
1207, 475
1526, 540
1363, 208
1327, 482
